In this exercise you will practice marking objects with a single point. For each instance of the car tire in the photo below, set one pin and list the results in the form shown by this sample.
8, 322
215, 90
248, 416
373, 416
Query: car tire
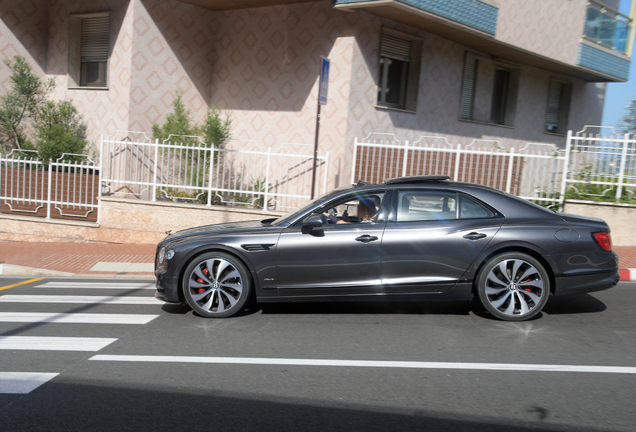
513, 286
217, 285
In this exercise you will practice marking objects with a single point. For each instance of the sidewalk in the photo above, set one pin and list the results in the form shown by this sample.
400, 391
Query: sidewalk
132, 261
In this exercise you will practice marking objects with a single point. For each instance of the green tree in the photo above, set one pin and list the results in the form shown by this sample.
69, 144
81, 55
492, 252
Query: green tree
627, 123
28, 92
59, 129
216, 128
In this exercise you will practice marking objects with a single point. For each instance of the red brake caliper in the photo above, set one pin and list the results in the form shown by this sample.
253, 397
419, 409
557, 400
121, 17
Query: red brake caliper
200, 290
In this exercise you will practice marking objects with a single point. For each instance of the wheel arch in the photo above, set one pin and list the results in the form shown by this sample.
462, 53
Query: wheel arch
516, 248
212, 248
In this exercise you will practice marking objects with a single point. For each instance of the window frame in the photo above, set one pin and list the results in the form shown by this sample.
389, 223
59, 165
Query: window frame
565, 99
507, 95
77, 69
410, 74
459, 197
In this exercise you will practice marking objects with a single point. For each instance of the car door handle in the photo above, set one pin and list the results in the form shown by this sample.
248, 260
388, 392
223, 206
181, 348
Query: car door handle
366, 238
474, 236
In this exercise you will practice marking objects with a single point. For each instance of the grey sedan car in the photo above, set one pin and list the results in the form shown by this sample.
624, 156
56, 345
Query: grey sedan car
408, 239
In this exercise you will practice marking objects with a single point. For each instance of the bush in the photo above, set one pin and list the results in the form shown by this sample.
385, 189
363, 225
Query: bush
215, 130
28, 92
59, 130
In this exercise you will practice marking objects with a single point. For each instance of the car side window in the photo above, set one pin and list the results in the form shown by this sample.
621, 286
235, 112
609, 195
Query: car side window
470, 209
418, 205
354, 208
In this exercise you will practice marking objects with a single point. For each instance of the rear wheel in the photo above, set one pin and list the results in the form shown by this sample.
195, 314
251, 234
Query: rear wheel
216, 285
513, 286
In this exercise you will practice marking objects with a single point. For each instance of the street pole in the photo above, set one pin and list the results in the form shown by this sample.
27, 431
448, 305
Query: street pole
313, 177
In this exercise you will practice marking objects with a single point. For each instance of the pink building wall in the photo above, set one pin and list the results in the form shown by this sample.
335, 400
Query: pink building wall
262, 64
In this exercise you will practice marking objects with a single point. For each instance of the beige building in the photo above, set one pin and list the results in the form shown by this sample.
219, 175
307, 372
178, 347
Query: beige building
506, 70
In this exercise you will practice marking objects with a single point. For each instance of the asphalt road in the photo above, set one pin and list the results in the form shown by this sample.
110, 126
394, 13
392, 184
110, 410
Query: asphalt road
424, 367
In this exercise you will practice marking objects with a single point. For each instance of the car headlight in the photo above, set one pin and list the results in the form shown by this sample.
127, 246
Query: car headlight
162, 255
170, 254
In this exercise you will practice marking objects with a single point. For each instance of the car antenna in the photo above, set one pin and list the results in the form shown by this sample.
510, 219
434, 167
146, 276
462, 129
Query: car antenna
362, 183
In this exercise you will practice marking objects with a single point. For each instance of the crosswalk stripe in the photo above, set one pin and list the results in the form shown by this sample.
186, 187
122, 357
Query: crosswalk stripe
23, 382
50, 343
97, 285
16, 298
367, 363
75, 318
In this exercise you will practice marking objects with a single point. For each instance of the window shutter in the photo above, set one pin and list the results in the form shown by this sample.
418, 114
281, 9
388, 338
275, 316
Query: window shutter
554, 104
468, 87
95, 39
395, 48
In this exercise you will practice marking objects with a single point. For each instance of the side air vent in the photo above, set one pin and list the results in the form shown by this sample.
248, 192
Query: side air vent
257, 247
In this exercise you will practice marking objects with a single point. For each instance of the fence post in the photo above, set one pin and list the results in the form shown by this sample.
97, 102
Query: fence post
324, 184
209, 204
566, 168
48, 198
353, 162
154, 174
99, 184
406, 155
510, 164
621, 173
458, 153
269, 155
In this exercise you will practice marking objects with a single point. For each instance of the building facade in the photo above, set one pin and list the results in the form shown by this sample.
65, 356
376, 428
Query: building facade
503, 70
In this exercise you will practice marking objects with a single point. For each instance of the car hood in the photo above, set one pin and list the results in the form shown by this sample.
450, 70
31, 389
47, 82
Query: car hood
233, 227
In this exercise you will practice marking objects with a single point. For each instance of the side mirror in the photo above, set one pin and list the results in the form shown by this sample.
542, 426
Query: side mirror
313, 221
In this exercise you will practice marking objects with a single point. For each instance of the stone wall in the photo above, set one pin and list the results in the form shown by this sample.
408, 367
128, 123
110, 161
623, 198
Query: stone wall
124, 220
620, 218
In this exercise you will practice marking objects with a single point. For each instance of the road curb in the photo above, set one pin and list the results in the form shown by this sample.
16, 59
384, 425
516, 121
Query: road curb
628, 274
14, 270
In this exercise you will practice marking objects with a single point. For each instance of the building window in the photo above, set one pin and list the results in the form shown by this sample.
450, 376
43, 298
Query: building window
489, 91
399, 71
556, 119
89, 48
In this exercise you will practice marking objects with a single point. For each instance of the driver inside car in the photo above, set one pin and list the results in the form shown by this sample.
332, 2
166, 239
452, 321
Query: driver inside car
366, 212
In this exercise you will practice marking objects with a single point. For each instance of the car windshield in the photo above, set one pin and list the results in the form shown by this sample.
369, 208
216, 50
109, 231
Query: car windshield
291, 215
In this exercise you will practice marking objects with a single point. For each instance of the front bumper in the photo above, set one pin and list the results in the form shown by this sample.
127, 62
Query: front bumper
167, 287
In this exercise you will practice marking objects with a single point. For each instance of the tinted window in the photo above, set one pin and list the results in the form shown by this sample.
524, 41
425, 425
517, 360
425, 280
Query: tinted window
354, 208
426, 206
470, 209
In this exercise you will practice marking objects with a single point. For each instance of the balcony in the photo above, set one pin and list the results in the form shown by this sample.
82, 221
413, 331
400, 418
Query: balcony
607, 27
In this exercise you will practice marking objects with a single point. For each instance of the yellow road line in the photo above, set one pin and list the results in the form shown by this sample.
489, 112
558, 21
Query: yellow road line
20, 283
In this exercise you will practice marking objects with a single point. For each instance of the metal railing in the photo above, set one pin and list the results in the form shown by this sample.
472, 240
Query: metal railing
602, 166
608, 27
181, 168
533, 172
66, 188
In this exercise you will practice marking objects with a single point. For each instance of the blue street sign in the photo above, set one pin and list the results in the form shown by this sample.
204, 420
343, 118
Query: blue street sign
324, 81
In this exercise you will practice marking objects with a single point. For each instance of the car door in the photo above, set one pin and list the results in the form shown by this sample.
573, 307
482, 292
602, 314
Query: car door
432, 237
336, 258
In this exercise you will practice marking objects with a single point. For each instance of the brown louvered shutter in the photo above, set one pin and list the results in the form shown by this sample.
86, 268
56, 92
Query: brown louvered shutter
395, 48
95, 39
468, 88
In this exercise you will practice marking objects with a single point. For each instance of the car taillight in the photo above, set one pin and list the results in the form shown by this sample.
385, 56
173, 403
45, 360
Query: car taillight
604, 240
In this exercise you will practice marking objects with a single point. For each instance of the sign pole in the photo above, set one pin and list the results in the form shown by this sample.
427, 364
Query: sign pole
322, 100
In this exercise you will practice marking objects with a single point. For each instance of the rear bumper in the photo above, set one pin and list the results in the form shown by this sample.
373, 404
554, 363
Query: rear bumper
581, 284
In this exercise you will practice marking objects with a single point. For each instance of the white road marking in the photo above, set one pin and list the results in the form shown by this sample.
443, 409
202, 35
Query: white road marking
367, 363
98, 285
23, 382
123, 267
15, 298
75, 318
49, 343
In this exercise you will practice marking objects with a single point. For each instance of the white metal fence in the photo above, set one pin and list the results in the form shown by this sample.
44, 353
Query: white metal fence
243, 173
601, 165
66, 188
534, 171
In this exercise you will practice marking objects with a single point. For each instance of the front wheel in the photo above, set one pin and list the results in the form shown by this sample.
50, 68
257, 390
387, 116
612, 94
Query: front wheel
513, 286
216, 285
